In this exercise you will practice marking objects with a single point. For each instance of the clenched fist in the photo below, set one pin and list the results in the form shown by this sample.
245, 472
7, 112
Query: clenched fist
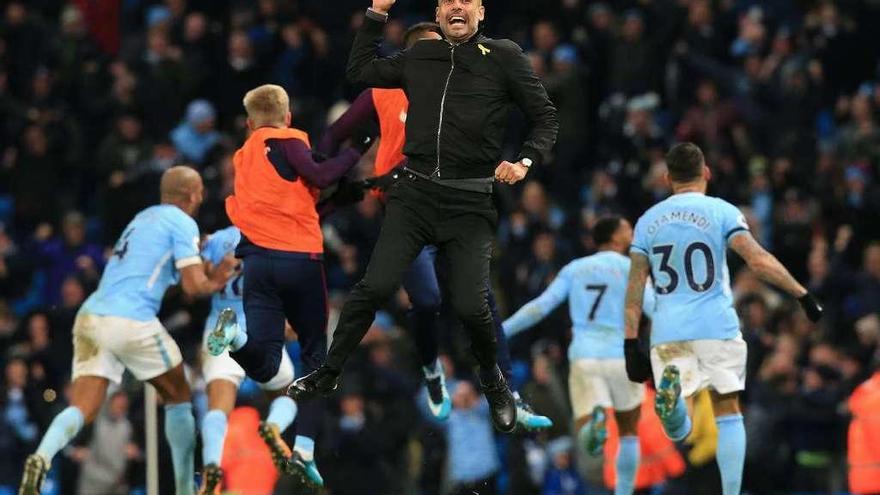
382, 6
510, 173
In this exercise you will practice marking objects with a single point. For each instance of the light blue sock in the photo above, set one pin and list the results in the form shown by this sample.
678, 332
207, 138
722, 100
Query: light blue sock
731, 455
282, 412
627, 465
305, 446
678, 425
64, 427
180, 431
213, 434
239, 340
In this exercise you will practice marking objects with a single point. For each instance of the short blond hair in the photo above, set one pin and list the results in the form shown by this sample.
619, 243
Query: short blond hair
267, 105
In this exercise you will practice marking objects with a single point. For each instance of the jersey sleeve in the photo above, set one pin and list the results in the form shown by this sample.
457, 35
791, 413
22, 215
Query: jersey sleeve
184, 241
733, 222
538, 308
640, 242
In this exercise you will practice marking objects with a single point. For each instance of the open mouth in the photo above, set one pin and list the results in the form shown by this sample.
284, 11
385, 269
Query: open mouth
457, 20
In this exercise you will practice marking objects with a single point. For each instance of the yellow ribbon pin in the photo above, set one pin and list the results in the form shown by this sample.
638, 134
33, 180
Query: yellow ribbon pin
483, 49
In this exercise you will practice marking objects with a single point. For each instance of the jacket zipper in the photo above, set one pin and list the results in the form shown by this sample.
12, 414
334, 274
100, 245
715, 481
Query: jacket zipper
442, 107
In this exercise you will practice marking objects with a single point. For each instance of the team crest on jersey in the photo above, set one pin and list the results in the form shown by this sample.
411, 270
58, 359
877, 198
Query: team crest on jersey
483, 49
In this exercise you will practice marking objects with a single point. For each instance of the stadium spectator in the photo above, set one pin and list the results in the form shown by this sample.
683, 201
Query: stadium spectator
106, 458
68, 254
19, 429
473, 461
195, 137
562, 478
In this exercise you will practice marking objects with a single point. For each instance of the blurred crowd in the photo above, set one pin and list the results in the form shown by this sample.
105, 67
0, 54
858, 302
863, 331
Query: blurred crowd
98, 97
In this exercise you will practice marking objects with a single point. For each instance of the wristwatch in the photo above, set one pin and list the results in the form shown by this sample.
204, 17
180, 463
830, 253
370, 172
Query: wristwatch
527, 162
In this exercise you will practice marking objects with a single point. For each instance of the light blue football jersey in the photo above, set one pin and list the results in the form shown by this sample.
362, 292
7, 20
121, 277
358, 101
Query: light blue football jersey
218, 245
153, 247
595, 287
685, 238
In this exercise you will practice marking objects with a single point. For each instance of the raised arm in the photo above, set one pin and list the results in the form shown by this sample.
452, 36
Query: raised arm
770, 270
364, 65
537, 309
765, 265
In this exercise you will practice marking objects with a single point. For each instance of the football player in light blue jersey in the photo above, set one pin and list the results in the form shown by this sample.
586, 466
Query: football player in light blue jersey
224, 375
117, 328
595, 287
695, 337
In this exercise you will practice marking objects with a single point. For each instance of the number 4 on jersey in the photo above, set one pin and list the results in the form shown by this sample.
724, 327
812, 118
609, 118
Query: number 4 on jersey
121, 247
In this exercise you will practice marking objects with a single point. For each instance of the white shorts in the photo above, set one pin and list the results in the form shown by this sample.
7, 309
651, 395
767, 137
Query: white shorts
106, 345
602, 382
714, 363
223, 367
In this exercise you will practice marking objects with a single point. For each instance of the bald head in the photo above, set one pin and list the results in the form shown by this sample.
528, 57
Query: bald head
182, 186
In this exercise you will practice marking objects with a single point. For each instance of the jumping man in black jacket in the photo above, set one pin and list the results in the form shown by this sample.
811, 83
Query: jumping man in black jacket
460, 90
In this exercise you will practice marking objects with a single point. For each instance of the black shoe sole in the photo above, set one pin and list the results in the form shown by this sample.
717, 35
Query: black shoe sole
299, 394
503, 428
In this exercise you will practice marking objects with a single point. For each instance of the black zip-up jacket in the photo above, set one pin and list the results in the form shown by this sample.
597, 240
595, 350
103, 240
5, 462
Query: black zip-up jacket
460, 99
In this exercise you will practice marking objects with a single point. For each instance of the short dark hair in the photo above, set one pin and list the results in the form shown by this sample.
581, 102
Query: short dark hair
415, 31
685, 162
605, 228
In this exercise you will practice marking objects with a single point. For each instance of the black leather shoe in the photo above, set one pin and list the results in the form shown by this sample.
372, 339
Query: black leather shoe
323, 381
501, 402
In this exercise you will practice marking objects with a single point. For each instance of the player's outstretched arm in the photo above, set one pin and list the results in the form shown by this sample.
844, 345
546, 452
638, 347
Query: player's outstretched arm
638, 365
770, 270
364, 64
537, 309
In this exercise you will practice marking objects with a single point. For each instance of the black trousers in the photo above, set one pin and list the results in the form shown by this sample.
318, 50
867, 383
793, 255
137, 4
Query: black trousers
422, 284
419, 213
279, 286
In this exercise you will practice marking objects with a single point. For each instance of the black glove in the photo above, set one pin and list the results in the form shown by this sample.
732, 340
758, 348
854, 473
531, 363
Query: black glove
638, 364
319, 157
811, 306
348, 192
363, 137
383, 182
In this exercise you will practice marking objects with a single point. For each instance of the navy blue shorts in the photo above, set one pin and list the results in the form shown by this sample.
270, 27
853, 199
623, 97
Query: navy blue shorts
279, 287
